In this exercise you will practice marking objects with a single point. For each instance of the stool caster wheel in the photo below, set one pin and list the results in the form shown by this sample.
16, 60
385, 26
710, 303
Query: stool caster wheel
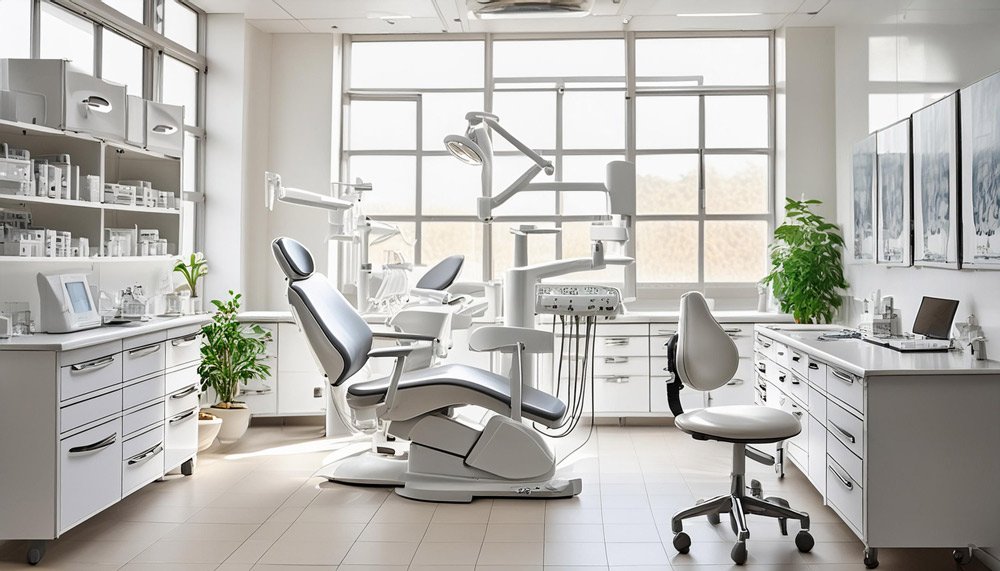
739, 553
962, 556
756, 489
35, 552
782, 522
682, 542
871, 558
804, 541
714, 519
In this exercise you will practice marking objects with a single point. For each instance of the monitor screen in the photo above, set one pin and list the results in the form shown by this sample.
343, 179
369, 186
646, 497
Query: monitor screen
78, 297
934, 317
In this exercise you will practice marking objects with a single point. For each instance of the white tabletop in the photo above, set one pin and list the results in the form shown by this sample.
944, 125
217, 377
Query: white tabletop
863, 358
90, 337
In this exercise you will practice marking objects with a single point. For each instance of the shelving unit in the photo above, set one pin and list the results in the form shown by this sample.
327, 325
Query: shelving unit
111, 161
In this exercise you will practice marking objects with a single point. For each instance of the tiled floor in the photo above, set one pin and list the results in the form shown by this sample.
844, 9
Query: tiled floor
257, 506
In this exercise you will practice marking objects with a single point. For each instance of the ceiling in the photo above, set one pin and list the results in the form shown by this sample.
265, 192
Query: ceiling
435, 16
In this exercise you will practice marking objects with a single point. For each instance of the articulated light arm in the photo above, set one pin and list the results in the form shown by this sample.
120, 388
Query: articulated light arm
274, 190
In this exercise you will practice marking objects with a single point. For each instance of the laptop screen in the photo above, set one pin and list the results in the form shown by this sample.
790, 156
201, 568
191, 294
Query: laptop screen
934, 317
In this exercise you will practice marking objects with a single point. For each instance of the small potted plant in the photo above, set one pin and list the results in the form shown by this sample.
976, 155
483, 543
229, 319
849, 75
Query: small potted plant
807, 271
232, 353
208, 428
192, 271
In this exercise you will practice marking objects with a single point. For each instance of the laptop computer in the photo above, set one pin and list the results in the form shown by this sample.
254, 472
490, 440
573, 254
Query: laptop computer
931, 328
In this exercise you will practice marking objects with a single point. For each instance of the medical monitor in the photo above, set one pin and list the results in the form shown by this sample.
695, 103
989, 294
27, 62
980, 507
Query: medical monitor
934, 317
66, 303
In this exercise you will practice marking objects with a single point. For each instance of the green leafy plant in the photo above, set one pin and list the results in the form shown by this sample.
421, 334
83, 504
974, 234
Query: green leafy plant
192, 271
232, 353
807, 271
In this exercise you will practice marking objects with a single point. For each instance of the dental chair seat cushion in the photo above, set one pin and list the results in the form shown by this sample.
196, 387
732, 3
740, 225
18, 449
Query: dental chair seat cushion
535, 404
748, 424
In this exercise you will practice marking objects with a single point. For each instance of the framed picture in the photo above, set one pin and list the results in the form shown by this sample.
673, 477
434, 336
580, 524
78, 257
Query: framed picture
935, 184
863, 200
894, 229
981, 174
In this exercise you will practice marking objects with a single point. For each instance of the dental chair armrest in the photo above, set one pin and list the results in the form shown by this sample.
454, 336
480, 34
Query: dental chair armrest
399, 352
403, 336
505, 339
394, 351
440, 296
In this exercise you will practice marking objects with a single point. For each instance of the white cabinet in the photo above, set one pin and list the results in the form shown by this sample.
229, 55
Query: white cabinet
296, 385
90, 477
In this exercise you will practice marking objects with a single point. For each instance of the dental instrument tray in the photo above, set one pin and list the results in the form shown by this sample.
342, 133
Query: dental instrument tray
577, 299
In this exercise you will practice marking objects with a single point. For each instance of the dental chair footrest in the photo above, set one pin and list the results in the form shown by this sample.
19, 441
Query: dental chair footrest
454, 490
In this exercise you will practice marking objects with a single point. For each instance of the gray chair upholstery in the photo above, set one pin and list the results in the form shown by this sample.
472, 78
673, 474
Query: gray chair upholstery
442, 274
706, 360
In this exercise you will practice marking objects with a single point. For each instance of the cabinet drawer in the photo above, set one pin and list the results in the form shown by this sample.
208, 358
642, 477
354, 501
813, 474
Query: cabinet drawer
182, 400
81, 413
294, 353
621, 393
272, 343
142, 418
690, 399
261, 396
180, 439
816, 471
90, 476
142, 460
142, 392
847, 387
844, 457
142, 361
846, 428
183, 349
799, 455
301, 393
798, 387
844, 494
92, 375
817, 405
621, 346
817, 374
105, 117
736, 391
622, 329
181, 379
621, 366
798, 362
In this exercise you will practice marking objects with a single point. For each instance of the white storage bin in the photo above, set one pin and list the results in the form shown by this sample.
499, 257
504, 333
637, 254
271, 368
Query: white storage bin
164, 129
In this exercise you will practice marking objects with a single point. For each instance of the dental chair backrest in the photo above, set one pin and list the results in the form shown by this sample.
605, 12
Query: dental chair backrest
338, 336
443, 274
706, 356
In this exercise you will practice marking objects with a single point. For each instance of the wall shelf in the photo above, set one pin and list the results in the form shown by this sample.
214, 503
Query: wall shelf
90, 260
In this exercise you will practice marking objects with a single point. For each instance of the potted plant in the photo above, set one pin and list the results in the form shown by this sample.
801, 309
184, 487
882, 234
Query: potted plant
192, 271
208, 428
232, 353
807, 271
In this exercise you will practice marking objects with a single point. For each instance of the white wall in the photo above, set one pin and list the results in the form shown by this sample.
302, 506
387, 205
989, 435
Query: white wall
883, 73
256, 243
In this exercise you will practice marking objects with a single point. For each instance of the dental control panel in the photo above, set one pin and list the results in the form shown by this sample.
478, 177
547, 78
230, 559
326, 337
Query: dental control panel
577, 300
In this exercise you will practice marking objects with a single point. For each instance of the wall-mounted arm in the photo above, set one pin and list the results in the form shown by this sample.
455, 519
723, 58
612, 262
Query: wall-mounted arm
274, 190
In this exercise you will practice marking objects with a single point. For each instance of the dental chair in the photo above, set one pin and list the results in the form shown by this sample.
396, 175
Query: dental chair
707, 359
449, 458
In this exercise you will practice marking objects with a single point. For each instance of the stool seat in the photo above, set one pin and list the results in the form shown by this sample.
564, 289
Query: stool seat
749, 424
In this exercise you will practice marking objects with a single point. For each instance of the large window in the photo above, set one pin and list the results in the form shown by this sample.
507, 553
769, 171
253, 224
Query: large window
695, 117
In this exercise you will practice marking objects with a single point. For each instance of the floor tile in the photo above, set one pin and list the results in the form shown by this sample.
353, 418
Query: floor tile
575, 554
513, 553
380, 553
636, 554
440, 554
398, 532
188, 551
516, 532
455, 532
299, 552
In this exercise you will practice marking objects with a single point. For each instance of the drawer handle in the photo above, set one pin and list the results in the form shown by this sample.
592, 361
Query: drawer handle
666, 331
164, 129
733, 331
614, 379
780, 353
765, 344
616, 341
183, 341
99, 445
143, 351
814, 366
189, 391
781, 377
182, 417
843, 376
145, 455
762, 367
796, 378
245, 392
93, 365
797, 413
796, 357
846, 434
98, 104
615, 360
734, 382
847, 483
781, 400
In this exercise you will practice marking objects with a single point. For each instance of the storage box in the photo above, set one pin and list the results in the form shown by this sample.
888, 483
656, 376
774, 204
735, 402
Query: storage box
165, 128
90, 188
15, 177
22, 107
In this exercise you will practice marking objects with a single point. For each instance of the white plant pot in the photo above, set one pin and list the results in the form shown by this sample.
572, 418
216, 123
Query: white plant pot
235, 422
207, 431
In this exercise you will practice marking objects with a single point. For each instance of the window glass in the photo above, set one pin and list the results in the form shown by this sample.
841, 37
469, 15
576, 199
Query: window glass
736, 121
386, 251
666, 184
64, 35
388, 125
735, 250
666, 122
442, 239
444, 114
593, 120
450, 186
586, 168
180, 24
122, 61
15, 28
541, 247
393, 178
666, 251
180, 87
131, 8
506, 169
576, 244
736, 184
702, 61
417, 64
559, 58
188, 210
530, 116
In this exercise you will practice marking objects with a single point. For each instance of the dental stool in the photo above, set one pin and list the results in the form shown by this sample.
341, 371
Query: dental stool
450, 459
706, 360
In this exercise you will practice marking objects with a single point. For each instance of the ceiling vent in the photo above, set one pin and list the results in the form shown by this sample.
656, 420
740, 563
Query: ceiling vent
486, 9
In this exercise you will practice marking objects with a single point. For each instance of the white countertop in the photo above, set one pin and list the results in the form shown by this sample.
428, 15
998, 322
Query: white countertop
90, 337
863, 358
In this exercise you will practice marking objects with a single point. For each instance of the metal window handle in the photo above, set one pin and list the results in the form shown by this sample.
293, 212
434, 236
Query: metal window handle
99, 445
843, 376
617, 379
734, 382
846, 434
185, 340
847, 483
190, 390
616, 341
182, 417
145, 455
143, 351
164, 129
93, 365
98, 104
615, 360
245, 392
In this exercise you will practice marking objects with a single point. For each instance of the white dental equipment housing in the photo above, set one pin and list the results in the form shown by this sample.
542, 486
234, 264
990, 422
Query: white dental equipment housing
66, 303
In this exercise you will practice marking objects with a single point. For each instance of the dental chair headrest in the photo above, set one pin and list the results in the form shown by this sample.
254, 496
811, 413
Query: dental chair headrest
443, 274
293, 258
